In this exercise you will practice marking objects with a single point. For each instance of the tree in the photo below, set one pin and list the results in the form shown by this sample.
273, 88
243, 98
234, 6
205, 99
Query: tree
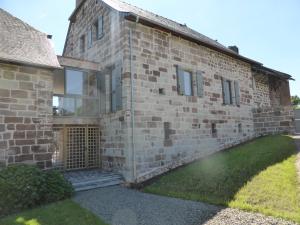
295, 100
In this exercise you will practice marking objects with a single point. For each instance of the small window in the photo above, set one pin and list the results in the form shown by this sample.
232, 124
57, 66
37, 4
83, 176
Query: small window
82, 43
90, 38
184, 82
214, 130
161, 91
240, 128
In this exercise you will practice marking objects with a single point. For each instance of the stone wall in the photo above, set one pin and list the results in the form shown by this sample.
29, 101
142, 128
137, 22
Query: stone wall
262, 90
273, 120
270, 91
25, 115
170, 129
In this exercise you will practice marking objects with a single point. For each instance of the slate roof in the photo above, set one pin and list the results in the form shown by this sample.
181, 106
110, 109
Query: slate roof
21, 43
175, 27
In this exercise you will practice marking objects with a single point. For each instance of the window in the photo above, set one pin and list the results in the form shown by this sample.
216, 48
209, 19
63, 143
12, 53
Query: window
98, 27
184, 82
214, 130
82, 43
74, 82
240, 128
90, 37
77, 94
116, 88
228, 93
231, 92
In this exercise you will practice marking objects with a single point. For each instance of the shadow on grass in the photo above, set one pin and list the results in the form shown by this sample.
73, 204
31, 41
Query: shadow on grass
217, 179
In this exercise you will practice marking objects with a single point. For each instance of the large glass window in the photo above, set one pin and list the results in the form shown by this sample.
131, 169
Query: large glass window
74, 82
79, 95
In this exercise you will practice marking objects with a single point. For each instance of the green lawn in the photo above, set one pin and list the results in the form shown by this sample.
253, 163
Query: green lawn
61, 213
259, 176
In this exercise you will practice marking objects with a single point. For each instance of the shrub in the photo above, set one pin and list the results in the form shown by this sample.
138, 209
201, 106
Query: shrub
24, 186
57, 187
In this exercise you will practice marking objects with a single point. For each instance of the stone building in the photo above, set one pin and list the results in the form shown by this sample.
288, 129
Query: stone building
141, 94
27, 62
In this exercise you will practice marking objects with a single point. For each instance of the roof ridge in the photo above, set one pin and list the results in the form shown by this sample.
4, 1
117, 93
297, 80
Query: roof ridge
171, 20
182, 24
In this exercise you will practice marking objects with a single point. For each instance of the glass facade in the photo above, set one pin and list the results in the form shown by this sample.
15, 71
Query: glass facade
81, 96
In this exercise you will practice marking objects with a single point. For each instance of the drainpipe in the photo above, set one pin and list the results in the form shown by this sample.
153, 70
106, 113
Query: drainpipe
132, 105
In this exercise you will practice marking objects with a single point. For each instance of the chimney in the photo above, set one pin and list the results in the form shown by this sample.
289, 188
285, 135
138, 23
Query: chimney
78, 2
234, 48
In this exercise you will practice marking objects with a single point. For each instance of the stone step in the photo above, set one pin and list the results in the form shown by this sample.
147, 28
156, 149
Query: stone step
98, 185
95, 178
96, 181
92, 179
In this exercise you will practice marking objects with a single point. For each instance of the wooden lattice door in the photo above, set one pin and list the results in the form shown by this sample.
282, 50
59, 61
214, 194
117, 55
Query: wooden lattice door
81, 147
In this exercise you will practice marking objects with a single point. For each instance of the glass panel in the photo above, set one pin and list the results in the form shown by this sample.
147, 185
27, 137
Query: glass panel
92, 85
75, 106
187, 83
79, 106
68, 106
55, 104
74, 82
59, 82
90, 38
227, 92
82, 95
90, 107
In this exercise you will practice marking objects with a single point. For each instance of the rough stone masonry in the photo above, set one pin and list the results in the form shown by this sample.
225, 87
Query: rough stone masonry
25, 115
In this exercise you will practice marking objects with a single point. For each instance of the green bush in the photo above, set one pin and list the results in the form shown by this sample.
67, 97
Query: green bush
57, 187
23, 186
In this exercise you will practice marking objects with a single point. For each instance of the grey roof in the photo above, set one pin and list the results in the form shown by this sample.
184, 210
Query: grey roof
170, 25
21, 43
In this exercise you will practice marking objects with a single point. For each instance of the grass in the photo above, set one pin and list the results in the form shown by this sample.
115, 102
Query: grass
259, 176
61, 213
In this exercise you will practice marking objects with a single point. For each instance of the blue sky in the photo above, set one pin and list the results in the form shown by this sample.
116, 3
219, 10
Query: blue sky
265, 30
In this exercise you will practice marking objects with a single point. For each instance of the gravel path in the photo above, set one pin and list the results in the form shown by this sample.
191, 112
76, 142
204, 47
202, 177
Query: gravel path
122, 206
